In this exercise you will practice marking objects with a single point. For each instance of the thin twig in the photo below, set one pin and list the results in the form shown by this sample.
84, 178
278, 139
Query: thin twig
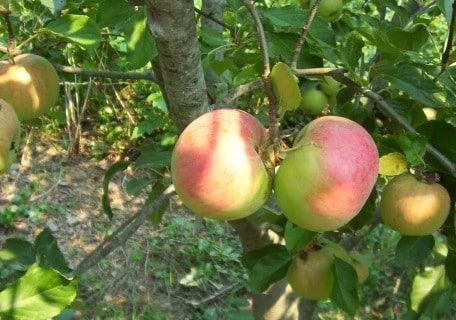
220, 22
302, 38
106, 74
121, 235
213, 296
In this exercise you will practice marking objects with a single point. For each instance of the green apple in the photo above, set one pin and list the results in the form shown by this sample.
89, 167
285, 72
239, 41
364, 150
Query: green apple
9, 137
216, 166
413, 207
313, 100
328, 174
30, 86
329, 9
310, 274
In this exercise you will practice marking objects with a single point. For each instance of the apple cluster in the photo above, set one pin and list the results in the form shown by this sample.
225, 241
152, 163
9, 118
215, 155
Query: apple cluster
317, 97
29, 87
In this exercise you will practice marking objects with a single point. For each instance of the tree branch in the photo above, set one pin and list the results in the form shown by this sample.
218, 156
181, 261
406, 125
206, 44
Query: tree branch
106, 73
121, 235
449, 42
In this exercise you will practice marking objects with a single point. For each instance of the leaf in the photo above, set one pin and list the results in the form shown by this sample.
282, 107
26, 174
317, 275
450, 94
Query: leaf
409, 78
413, 250
450, 265
54, 5
156, 216
412, 39
77, 28
297, 238
428, 288
285, 88
111, 13
413, 145
345, 288
137, 185
41, 293
266, 266
49, 253
18, 251
212, 37
392, 164
353, 53
140, 43
366, 213
116, 167
446, 6
154, 159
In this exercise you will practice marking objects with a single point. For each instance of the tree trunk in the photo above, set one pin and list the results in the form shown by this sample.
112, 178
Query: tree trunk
172, 24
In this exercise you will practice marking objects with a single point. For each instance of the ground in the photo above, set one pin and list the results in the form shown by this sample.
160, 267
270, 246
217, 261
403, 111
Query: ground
145, 278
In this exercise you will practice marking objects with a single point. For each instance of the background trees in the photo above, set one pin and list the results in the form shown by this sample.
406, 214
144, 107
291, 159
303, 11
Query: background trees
394, 60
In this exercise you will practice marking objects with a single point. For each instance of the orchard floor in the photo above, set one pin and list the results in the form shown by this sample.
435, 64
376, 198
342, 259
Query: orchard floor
138, 280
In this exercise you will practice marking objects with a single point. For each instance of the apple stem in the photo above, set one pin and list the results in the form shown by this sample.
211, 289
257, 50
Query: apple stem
11, 37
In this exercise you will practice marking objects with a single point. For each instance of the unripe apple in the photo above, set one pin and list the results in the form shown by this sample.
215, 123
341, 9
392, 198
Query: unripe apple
330, 86
413, 207
216, 167
9, 137
329, 9
310, 275
328, 175
313, 101
30, 86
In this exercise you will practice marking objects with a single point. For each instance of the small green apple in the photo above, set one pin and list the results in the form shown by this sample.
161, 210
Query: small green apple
9, 137
313, 100
413, 207
329, 9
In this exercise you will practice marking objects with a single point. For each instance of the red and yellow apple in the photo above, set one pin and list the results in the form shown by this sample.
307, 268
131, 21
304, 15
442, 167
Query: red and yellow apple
216, 167
30, 86
9, 137
328, 175
413, 207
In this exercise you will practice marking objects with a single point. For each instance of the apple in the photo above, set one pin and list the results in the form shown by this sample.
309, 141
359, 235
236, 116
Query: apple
10, 136
216, 165
329, 9
310, 275
30, 86
413, 207
313, 101
330, 86
328, 174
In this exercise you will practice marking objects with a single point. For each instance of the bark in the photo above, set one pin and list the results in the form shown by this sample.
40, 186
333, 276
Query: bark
180, 75
172, 24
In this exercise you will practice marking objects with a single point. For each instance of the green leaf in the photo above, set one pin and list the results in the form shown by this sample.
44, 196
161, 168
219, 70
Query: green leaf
297, 238
111, 13
116, 167
18, 251
77, 28
353, 52
154, 159
429, 290
411, 79
441, 135
412, 39
41, 293
140, 43
137, 185
413, 250
446, 6
345, 288
48, 252
54, 5
450, 265
266, 266
212, 37
413, 145
366, 213
156, 216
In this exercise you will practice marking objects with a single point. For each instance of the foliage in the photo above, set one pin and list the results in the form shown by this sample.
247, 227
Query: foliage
393, 48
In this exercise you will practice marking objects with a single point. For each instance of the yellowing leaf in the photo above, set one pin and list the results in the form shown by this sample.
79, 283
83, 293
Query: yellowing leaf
392, 164
285, 87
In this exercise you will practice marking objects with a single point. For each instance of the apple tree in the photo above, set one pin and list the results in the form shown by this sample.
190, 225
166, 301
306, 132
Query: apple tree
306, 125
